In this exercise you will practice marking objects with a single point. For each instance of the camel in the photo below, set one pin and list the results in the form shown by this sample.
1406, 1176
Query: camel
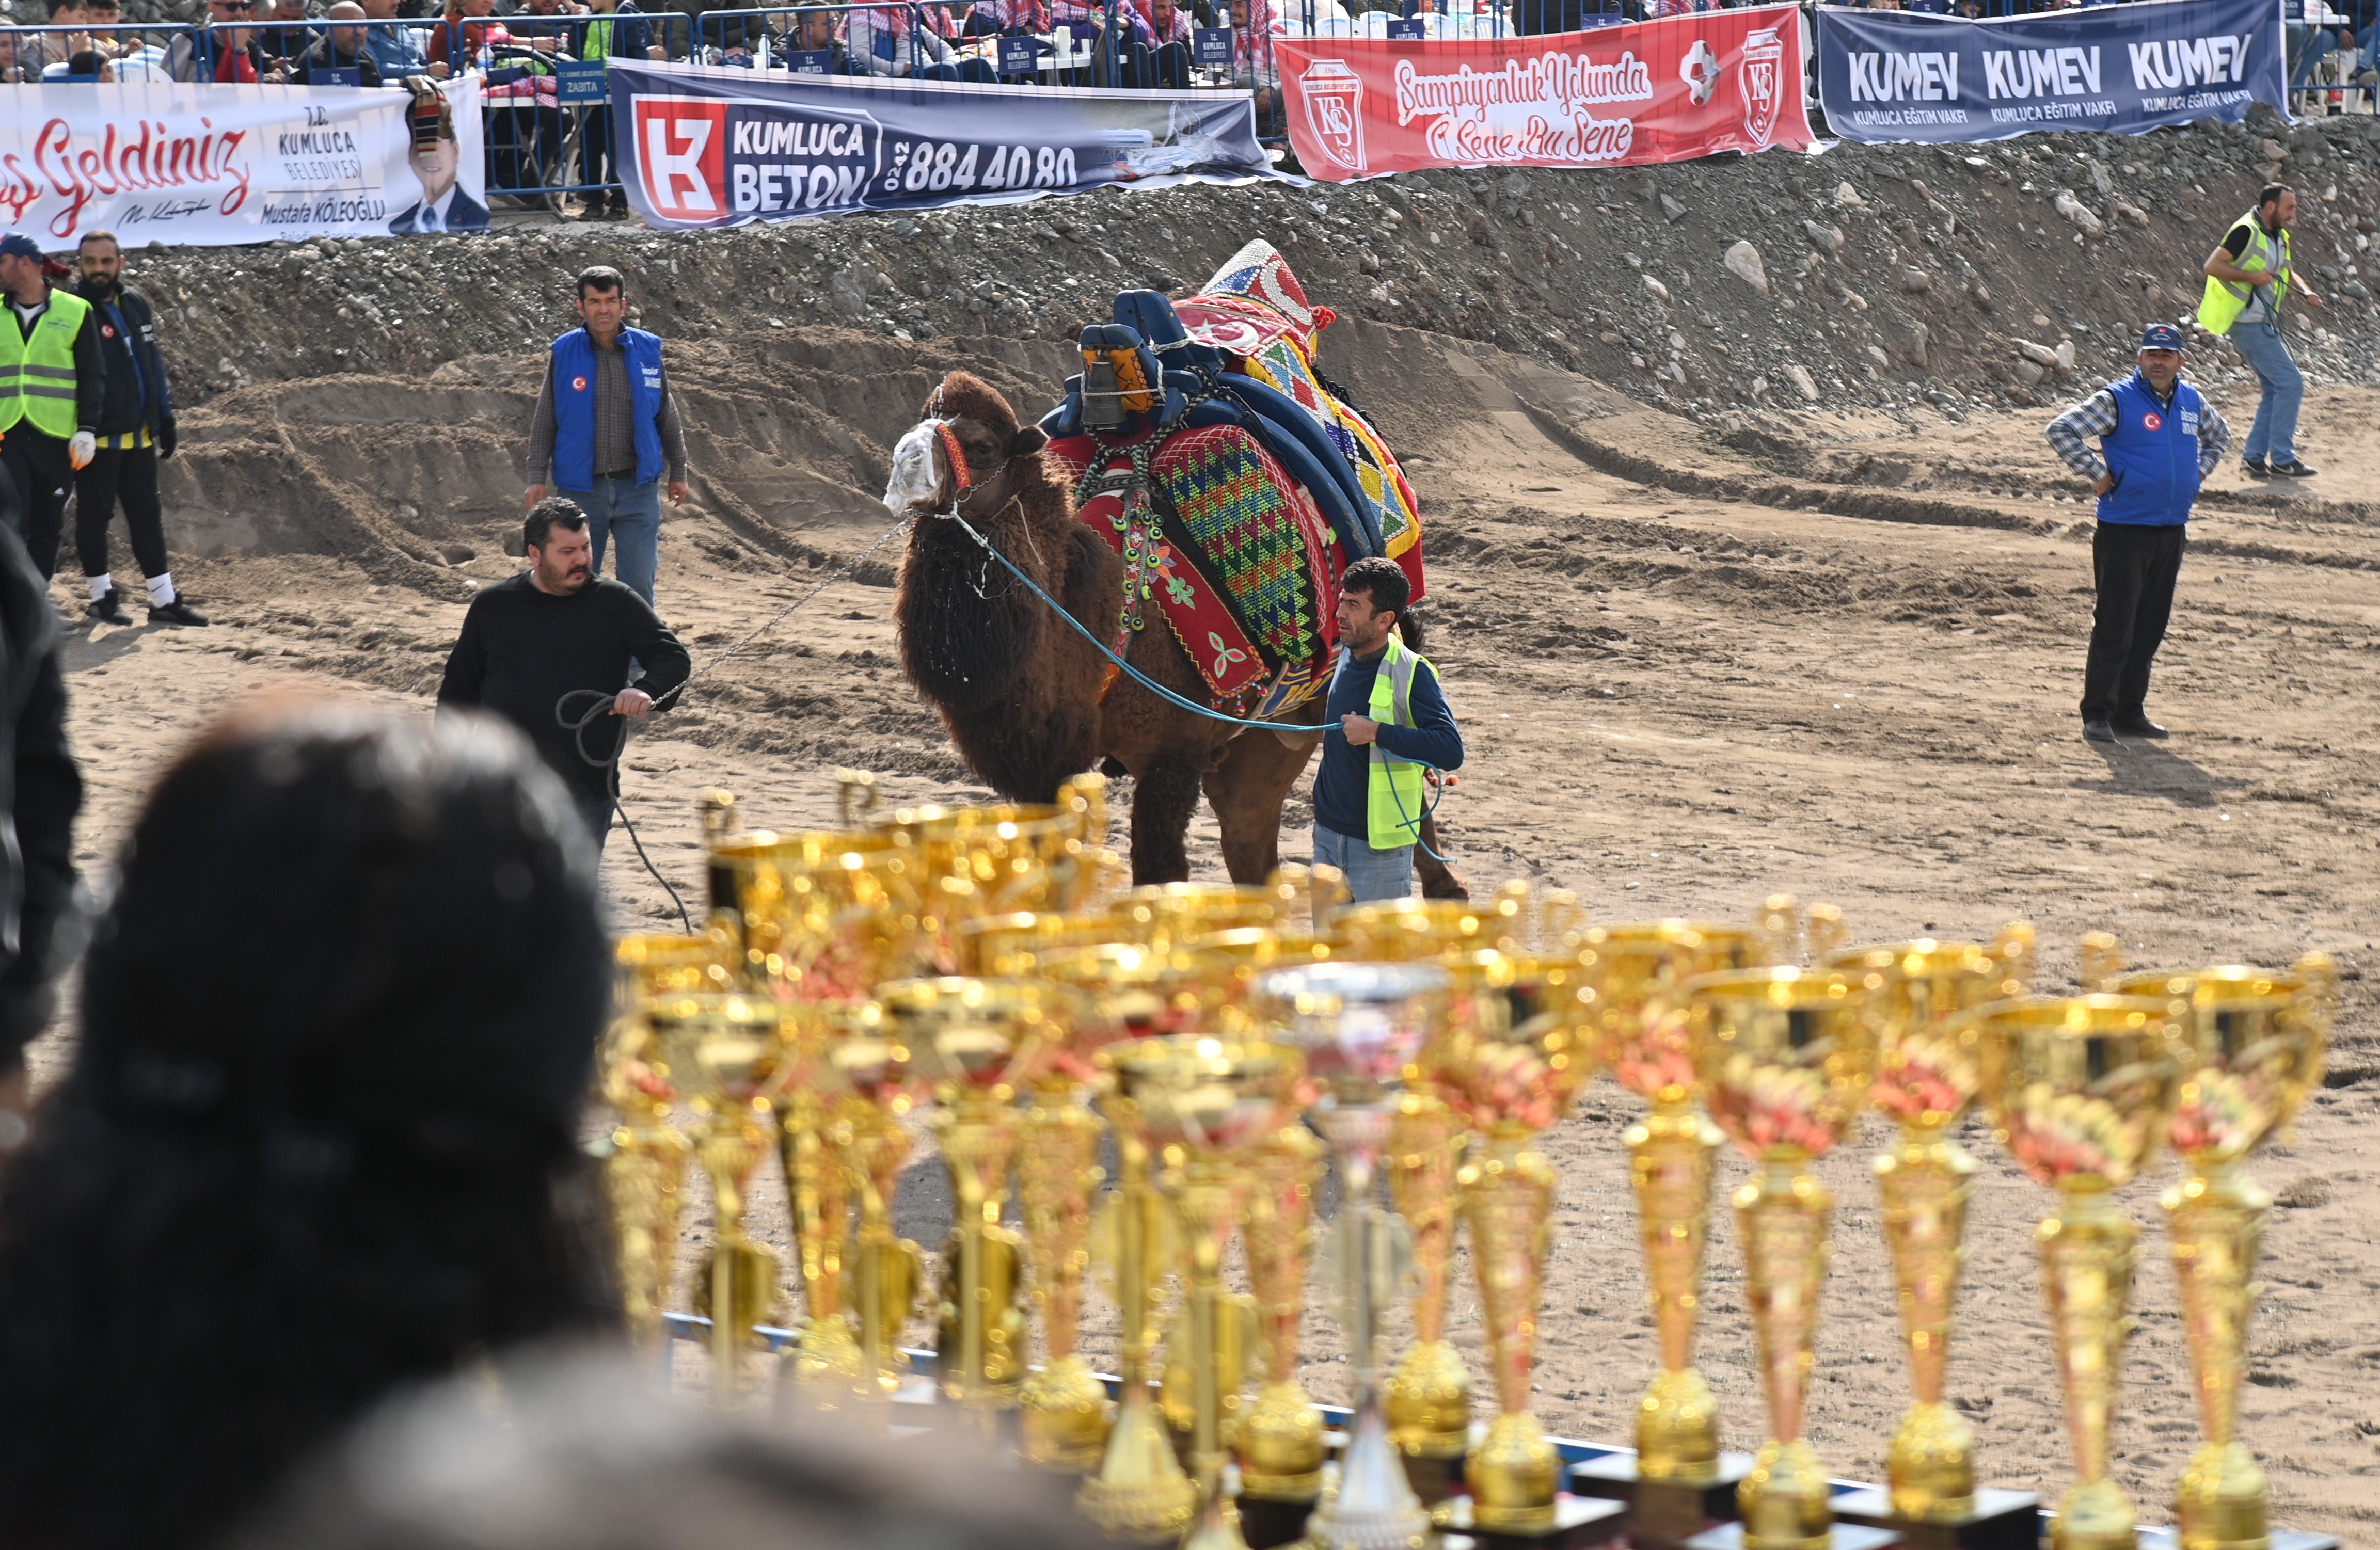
1019, 691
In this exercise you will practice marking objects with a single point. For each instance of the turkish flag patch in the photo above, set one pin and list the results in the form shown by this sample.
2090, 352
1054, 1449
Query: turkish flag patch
2152, 422
578, 385
107, 330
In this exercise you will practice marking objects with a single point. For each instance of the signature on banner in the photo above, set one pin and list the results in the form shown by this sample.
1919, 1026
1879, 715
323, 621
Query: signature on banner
78, 170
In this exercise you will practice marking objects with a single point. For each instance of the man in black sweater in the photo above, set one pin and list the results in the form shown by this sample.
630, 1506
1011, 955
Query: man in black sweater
554, 629
136, 430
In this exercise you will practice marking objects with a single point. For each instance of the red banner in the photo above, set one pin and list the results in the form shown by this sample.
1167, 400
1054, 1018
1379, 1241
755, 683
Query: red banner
1666, 91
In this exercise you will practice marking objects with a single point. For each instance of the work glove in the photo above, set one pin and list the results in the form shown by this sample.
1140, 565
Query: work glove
82, 448
166, 439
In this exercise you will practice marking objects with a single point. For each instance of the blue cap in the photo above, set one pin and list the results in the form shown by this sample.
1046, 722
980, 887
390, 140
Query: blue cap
2160, 336
17, 245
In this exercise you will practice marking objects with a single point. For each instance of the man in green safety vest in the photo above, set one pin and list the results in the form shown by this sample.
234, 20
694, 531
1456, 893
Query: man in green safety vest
1369, 796
2248, 282
52, 387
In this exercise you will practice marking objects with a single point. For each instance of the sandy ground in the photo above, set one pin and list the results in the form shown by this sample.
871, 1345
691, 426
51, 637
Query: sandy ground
1833, 654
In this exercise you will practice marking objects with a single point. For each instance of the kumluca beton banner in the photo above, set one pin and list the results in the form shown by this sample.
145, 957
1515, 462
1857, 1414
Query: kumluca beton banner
1902, 76
718, 146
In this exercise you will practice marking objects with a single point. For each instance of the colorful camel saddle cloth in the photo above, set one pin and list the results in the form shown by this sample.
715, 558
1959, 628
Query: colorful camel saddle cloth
1230, 550
1257, 313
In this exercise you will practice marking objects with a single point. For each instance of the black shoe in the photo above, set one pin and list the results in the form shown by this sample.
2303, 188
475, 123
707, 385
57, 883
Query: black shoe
2141, 726
107, 611
178, 612
2255, 467
2293, 469
2098, 729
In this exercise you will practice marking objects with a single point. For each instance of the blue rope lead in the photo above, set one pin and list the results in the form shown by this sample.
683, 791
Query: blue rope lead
1162, 692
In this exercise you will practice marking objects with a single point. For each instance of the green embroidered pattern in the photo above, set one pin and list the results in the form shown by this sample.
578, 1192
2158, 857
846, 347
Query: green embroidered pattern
1243, 526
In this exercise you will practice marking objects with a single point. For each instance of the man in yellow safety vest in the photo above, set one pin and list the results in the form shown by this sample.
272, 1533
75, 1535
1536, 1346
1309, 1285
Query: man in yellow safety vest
53, 388
1369, 796
2248, 282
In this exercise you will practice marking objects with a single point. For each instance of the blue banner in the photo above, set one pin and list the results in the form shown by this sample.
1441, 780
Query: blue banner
1898, 76
706, 147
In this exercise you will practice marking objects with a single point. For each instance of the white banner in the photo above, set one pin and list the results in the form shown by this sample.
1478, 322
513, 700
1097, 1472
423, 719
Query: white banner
217, 166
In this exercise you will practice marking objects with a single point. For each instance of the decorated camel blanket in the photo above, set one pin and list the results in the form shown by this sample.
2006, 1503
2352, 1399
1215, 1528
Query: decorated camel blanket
1226, 548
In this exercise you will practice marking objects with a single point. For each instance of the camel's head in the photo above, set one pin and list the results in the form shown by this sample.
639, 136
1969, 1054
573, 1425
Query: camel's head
967, 450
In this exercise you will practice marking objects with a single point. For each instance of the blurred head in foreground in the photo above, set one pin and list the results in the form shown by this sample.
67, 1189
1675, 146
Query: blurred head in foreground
586, 1455
318, 1140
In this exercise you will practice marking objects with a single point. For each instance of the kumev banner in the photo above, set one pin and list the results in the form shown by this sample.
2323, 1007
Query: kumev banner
211, 165
1907, 75
1664, 91
719, 147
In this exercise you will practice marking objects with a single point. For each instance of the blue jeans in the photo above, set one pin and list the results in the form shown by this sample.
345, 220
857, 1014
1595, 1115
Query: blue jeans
1372, 874
631, 513
2275, 434
2305, 47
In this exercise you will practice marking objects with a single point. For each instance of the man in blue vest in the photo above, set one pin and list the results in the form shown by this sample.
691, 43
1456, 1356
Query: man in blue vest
1393, 723
2160, 439
607, 425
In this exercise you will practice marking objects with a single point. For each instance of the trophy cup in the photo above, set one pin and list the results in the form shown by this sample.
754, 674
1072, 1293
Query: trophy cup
1516, 1051
726, 1055
1785, 1056
977, 1040
1645, 1042
2081, 1090
1362, 1028
2256, 1042
1428, 1399
1279, 1437
867, 1076
1123, 992
644, 1158
1307, 897
1928, 1069
1200, 1106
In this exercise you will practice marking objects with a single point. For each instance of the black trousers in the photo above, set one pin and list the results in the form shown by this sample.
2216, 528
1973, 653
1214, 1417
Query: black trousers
131, 476
2134, 568
40, 466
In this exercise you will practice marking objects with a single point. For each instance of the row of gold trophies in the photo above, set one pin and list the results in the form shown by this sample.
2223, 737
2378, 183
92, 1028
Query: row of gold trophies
955, 961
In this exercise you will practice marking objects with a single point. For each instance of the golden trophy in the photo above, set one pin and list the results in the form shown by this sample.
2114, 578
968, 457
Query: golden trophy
1929, 1067
869, 1085
1279, 1437
978, 1041
726, 1055
1645, 1042
1785, 1056
1307, 897
644, 1158
1516, 1051
1362, 1028
1123, 992
2256, 1047
2080, 1091
1200, 1106
1428, 1398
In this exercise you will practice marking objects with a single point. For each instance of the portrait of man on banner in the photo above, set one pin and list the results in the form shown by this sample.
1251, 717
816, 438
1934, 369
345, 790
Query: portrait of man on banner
437, 160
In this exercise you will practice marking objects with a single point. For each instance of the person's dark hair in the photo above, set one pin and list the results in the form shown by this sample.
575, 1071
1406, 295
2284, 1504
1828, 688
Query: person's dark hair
83, 62
2272, 193
603, 277
57, 5
318, 1140
554, 511
100, 235
1380, 579
585, 1455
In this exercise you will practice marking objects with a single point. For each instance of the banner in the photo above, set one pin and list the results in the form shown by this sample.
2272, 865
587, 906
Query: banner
1662, 90
1904, 75
719, 147
213, 165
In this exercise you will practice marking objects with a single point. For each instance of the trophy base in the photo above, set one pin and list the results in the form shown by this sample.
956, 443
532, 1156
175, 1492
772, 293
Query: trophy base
1269, 1524
1997, 1521
2280, 1539
1579, 1524
1843, 1536
1437, 1480
1663, 1514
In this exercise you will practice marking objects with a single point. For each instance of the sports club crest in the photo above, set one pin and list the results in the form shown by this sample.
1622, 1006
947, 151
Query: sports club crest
1761, 78
1334, 110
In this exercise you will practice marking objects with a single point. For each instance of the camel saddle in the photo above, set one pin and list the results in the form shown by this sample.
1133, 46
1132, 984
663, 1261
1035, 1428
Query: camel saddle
1233, 480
